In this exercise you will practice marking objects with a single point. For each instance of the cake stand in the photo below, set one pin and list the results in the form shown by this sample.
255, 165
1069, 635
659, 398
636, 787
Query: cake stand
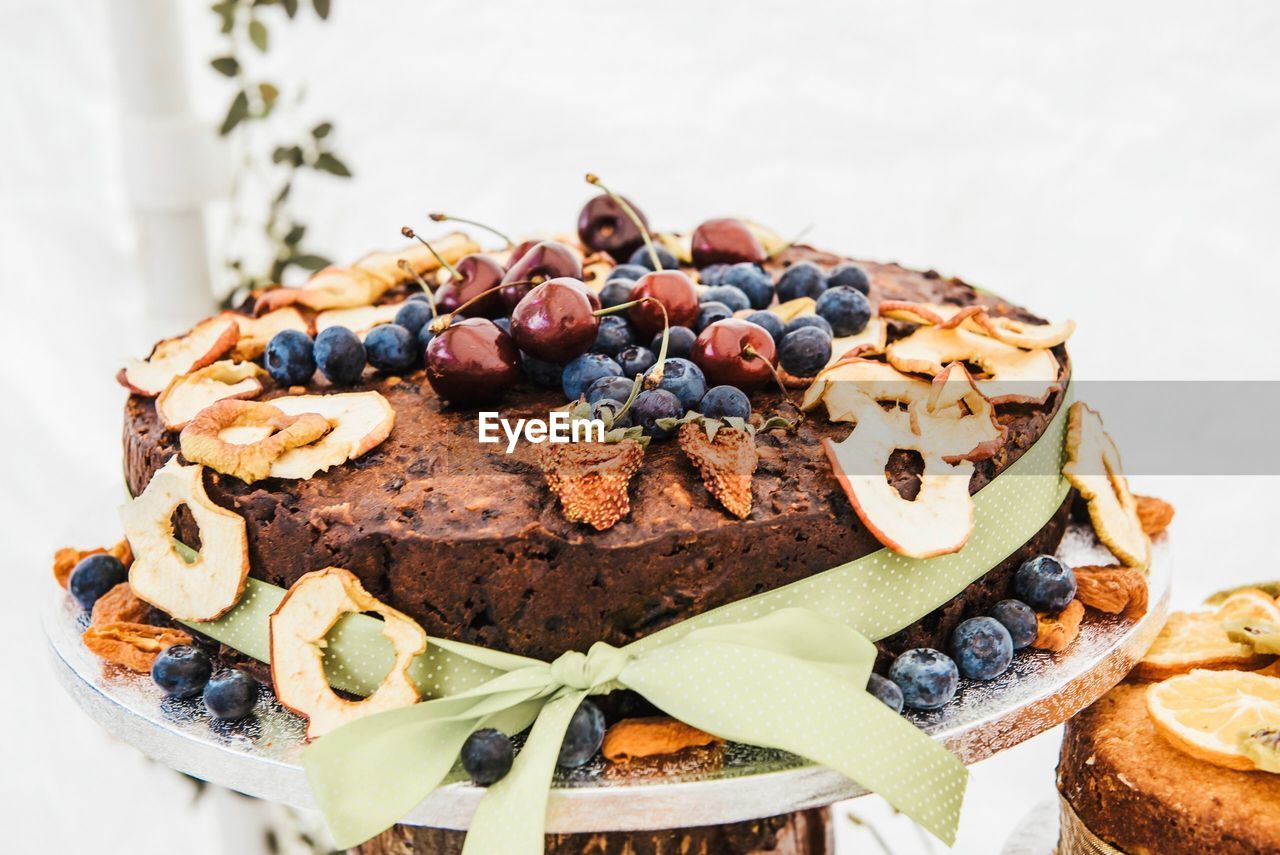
258, 756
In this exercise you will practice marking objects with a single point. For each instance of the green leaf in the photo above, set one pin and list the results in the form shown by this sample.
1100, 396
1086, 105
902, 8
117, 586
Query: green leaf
322, 8
310, 262
326, 162
295, 235
258, 35
227, 12
235, 113
227, 66
290, 7
284, 192
268, 93
322, 130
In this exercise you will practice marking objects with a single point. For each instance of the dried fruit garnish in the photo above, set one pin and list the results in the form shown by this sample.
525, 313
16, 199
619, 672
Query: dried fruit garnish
725, 455
273, 433
633, 738
119, 605
133, 645
1093, 467
591, 478
1056, 632
1113, 589
66, 559
1153, 514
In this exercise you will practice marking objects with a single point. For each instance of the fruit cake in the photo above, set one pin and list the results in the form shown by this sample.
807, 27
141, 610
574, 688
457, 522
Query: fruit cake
470, 540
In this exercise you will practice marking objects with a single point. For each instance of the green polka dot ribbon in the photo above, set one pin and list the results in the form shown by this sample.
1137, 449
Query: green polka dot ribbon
785, 669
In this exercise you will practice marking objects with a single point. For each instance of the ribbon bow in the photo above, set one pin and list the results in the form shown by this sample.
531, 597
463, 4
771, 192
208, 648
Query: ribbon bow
793, 679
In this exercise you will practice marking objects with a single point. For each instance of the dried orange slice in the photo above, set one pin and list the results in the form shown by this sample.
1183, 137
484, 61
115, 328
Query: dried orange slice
1193, 640
1205, 714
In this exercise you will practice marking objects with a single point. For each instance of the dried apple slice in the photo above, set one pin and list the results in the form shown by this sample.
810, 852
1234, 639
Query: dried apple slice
1093, 467
1023, 334
359, 319
850, 386
298, 628
360, 421
870, 340
187, 395
957, 411
979, 319
331, 288
256, 332
245, 438
206, 342
1013, 375
213, 583
386, 265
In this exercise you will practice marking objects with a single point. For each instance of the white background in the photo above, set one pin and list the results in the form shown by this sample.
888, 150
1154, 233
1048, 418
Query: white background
1114, 163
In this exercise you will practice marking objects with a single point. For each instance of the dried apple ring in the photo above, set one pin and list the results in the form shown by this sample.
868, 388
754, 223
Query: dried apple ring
298, 627
243, 438
198, 591
1093, 467
1013, 375
188, 394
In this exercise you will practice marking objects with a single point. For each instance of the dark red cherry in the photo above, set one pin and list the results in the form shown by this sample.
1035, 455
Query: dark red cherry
518, 251
554, 321
674, 290
733, 352
478, 273
725, 241
604, 226
544, 260
472, 361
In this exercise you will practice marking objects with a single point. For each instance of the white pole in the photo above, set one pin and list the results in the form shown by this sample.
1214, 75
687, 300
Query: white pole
172, 161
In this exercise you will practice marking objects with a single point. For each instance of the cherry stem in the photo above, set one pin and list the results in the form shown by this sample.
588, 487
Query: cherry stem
655, 375
426, 289
441, 323
411, 234
595, 181
795, 240
749, 351
445, 218
635, 391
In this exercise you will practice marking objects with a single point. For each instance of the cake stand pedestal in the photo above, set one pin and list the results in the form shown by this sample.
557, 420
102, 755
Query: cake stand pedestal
259, 756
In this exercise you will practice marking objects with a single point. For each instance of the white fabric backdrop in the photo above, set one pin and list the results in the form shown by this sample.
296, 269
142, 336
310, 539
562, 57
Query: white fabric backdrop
1115, 163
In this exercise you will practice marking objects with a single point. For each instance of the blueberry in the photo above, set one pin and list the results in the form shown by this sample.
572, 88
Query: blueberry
731, 296
799, 323
420, 295
886, 690
927, 677
585, 370
629, 271
982, 648
413, 314
849, 276
752, 281
636, 360
391, 348
845, 309
231, 694
181, 671
1019, 618
802, 279
487, 756
713, 274
614, 407
94, 576
583, 737
290, 358
641, 258
654, 404
805, 352
710, 313
724, 401
424, 338
772, 324
1045, 583
679, 342
340, 354
540, 372
616, 292
617, 388
613, 335
503, 324
684, 380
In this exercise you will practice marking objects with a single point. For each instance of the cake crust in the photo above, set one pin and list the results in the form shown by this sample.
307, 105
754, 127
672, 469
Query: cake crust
1141, 795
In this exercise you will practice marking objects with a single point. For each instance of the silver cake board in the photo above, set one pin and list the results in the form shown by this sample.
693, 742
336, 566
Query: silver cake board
258, 756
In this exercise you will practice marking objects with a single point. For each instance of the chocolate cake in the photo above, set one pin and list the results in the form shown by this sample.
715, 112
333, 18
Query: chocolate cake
1138, 793
470, 542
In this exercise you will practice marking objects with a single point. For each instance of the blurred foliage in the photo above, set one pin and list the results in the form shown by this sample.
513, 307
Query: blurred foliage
270, 161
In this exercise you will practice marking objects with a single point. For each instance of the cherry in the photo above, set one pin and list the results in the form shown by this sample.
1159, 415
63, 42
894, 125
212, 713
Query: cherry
555, 321
725, 241
472, 361
734, 352
674, 290
544, 260
605, 226
475, 274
